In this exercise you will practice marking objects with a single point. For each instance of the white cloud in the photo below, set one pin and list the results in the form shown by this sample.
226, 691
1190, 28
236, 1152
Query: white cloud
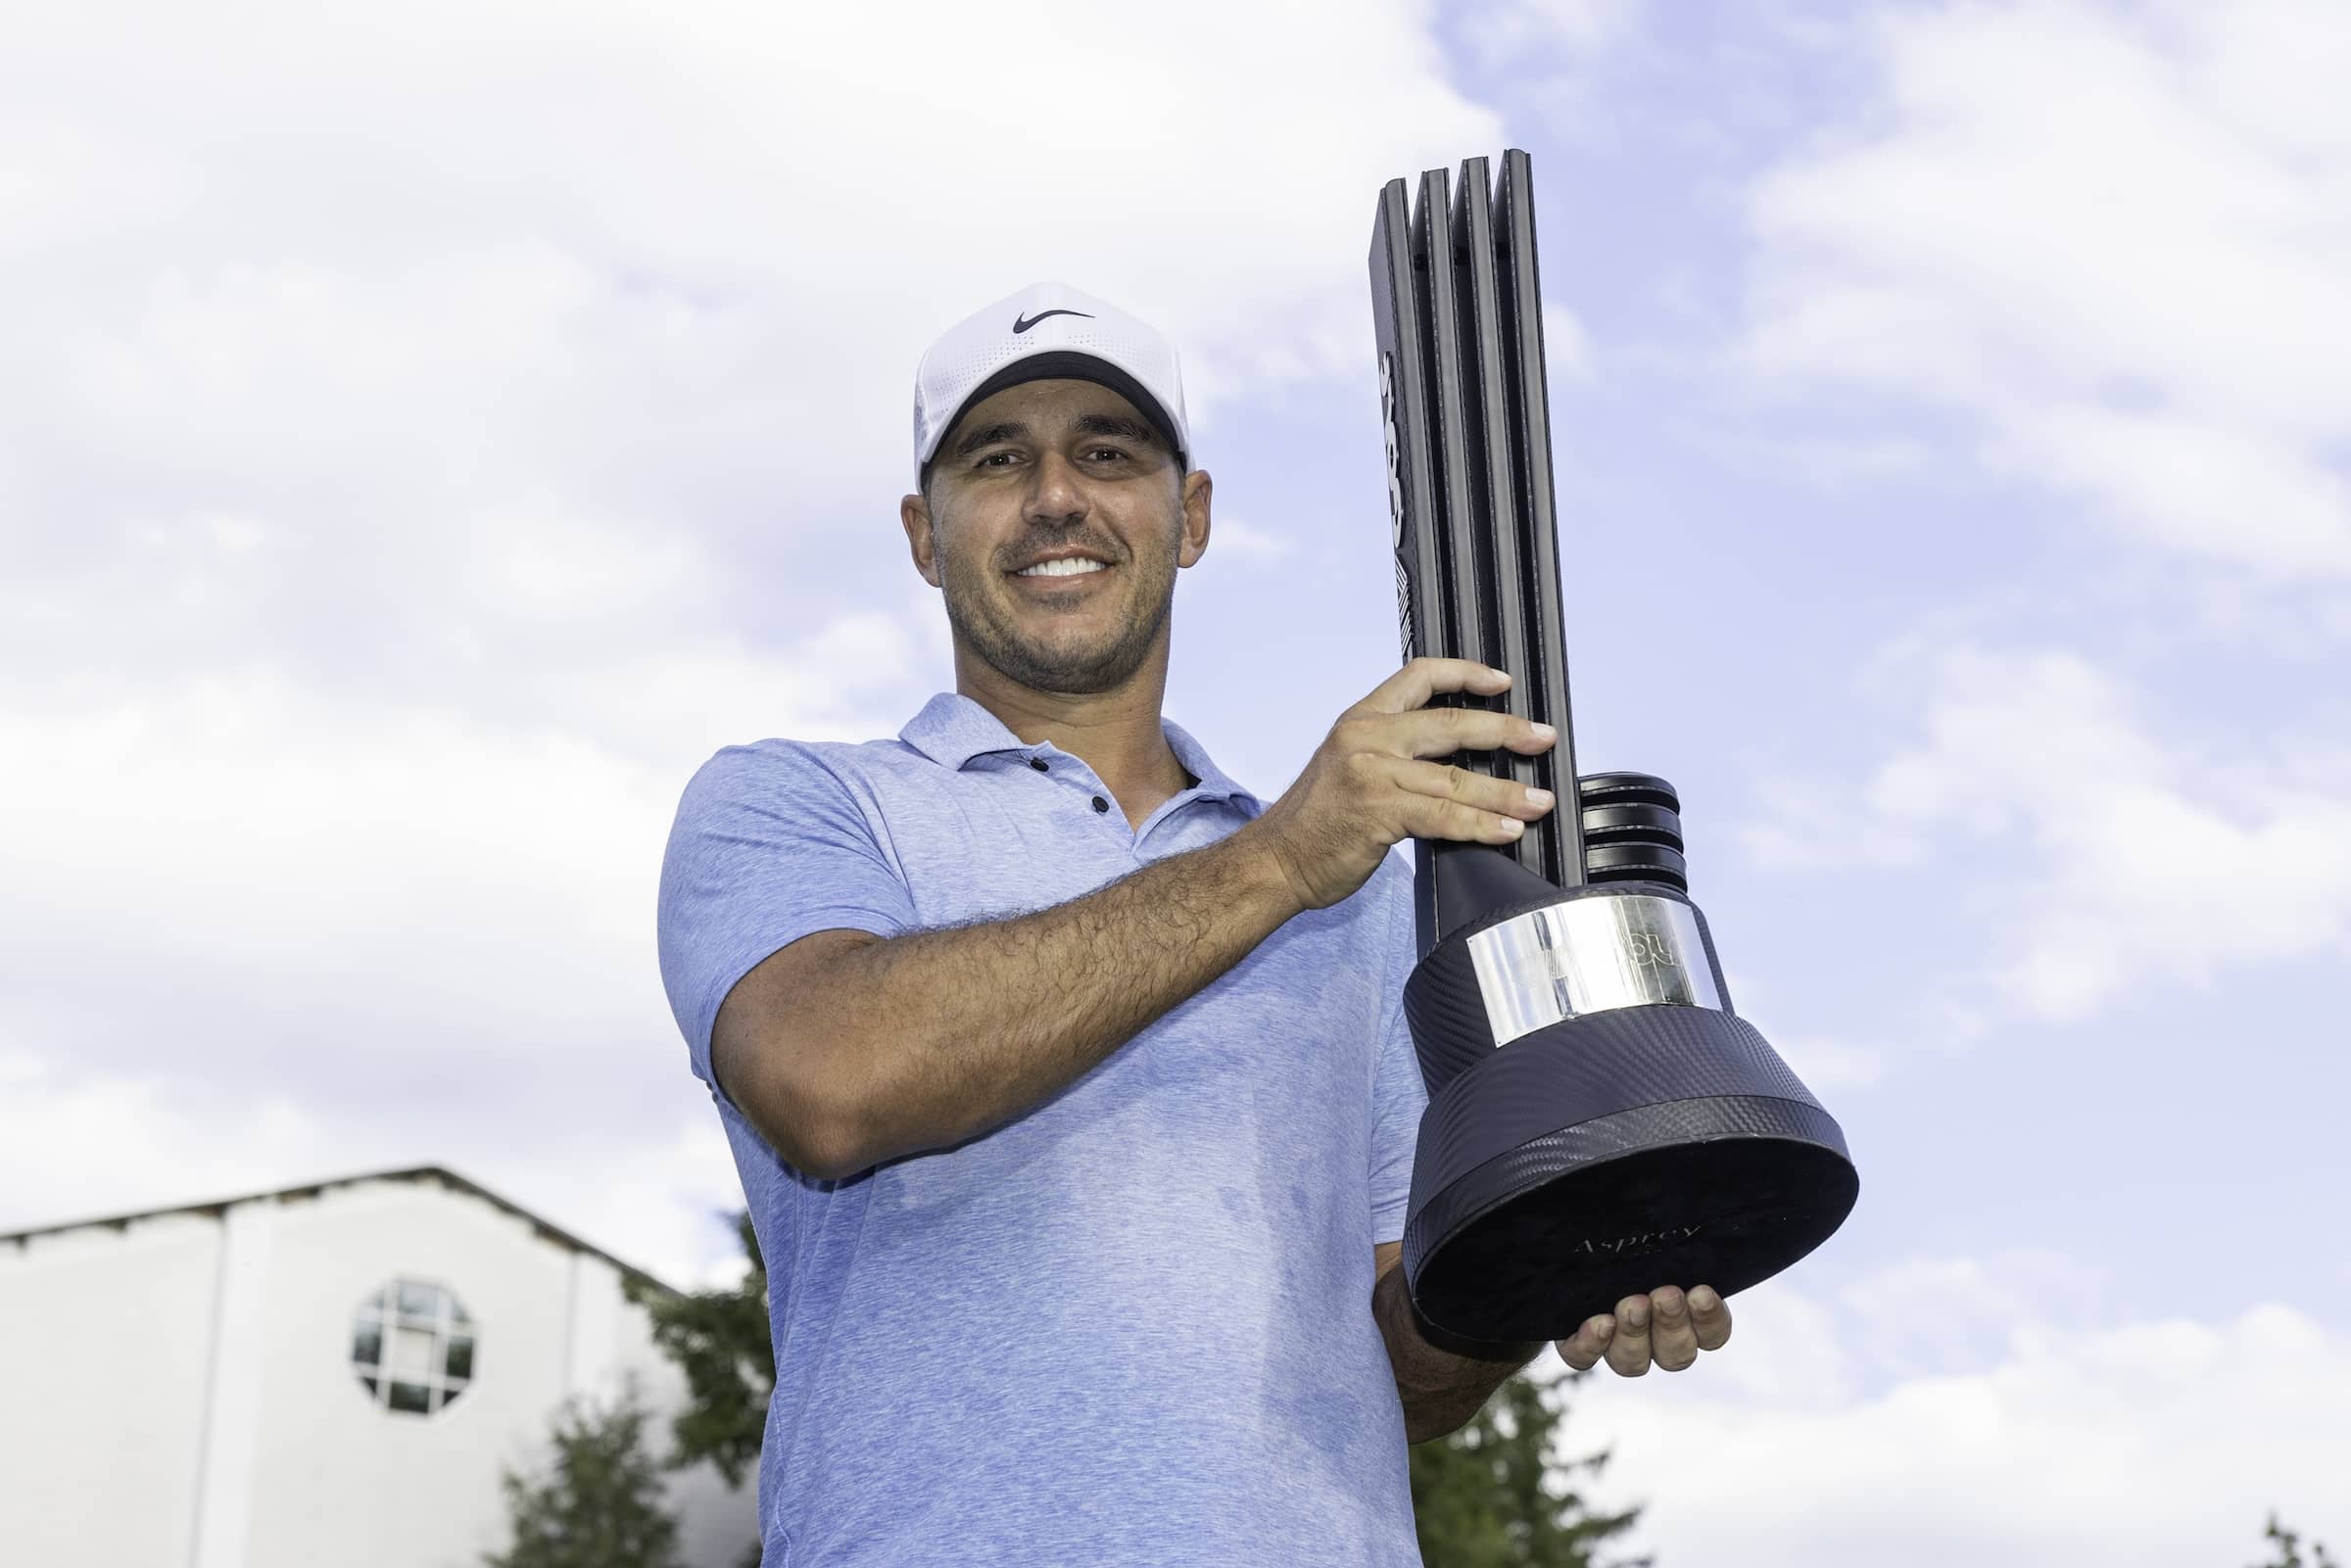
1504, 32
106, 1143
82, 1146
2077, 1434
2111, 858
1783, 839
250, 936
2119, 241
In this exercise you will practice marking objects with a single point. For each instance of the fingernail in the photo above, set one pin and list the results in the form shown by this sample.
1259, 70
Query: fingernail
1543, 732
1601, 1327
1540, 797
1511, 828
1669, 1302
1703, 1300
1635, 1316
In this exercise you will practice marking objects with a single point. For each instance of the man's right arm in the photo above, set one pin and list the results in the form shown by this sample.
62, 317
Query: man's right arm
845, 1048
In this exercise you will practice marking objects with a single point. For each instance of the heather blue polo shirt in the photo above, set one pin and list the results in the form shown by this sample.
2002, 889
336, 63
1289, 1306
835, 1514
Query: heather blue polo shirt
1133, 1325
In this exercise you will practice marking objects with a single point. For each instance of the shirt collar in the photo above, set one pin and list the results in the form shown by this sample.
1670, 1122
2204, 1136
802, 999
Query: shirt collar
952, 730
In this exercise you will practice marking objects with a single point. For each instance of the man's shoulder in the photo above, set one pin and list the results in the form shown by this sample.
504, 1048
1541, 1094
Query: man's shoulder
780, 762
792, 777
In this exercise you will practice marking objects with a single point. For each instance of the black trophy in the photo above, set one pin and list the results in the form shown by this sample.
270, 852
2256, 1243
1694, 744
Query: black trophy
1600, 1121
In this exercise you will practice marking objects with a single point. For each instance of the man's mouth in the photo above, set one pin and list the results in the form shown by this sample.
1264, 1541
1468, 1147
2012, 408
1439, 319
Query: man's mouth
1066, 566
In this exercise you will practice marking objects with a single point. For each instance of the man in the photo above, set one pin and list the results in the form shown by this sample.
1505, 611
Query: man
1068, 1081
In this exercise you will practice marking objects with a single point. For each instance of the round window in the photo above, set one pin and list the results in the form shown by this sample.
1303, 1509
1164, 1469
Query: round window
412, 1346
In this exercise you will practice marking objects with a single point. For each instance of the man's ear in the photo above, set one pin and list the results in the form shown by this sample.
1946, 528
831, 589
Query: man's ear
1197, 489
914, 516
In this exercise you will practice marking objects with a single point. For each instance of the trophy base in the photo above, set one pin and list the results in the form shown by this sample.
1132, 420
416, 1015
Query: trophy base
1608, 1156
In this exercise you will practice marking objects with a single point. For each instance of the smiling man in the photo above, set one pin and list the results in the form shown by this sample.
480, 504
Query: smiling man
1069, 1080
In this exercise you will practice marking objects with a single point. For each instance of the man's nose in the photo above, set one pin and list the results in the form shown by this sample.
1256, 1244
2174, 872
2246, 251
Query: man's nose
1053, 489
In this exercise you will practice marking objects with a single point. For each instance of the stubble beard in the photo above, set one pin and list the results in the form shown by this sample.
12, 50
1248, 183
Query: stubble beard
984, 622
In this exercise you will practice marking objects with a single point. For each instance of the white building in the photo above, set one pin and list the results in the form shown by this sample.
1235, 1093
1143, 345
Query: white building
327, 1376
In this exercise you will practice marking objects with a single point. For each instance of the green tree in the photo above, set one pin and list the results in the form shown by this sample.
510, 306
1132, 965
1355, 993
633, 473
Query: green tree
1491, 1494
719, 1340
2289, 1549
599, 1504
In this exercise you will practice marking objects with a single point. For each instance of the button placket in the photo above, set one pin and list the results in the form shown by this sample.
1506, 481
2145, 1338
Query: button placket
1100, 801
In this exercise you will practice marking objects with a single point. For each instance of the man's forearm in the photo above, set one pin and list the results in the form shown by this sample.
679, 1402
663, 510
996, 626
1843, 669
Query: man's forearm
938, 1037
1440, 1390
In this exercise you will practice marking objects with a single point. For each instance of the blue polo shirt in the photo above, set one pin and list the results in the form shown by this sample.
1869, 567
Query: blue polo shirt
1133, 1325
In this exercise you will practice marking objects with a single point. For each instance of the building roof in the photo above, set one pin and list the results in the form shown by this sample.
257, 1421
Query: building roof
436, 1175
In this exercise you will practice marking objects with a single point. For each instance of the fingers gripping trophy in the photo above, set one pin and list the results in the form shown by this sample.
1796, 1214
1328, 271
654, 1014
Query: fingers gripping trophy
1599, 1119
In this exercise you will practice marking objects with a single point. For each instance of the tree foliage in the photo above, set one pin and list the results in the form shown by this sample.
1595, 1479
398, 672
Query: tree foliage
1490, 1496
2287, 1547
719, 1340
599, 1504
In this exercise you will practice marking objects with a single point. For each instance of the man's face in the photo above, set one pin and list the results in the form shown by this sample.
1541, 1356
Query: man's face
1054, 522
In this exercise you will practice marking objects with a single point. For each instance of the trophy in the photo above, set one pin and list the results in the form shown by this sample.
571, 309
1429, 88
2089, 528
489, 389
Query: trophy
1600, 1122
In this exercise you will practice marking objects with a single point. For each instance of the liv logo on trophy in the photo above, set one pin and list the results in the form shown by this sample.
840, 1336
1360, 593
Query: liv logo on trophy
1599, 1119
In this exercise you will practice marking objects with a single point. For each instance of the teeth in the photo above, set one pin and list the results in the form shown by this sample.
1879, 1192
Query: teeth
1074, 566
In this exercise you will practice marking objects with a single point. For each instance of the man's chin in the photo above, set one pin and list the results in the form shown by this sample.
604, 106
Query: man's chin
1065, 671
1067, 660
1073, 680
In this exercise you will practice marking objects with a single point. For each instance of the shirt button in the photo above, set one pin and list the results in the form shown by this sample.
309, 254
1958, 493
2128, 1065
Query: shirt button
1101, 804
1038, 763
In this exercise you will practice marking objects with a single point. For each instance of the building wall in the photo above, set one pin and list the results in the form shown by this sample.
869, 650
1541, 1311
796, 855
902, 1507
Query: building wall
290, 1462
348, 1482
105, 1344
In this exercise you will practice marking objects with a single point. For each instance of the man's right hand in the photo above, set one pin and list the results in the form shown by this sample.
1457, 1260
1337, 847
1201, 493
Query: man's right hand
1369, 784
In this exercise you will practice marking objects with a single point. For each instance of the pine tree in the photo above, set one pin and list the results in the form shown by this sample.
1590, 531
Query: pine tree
599, 1504
1481, 1497
2289, 1549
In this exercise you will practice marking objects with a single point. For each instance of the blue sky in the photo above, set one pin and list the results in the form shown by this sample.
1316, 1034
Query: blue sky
435, 437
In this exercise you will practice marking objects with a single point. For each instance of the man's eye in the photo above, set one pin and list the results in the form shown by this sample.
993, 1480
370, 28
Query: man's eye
997, 460
1105, 453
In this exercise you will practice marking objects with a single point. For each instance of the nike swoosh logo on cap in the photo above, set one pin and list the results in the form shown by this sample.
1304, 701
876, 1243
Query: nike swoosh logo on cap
1022, 323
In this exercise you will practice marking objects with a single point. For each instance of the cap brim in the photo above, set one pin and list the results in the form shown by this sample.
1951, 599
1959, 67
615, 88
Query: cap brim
1066, 364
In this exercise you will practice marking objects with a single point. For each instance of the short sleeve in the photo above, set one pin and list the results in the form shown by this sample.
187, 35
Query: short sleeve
1397, 1094
769, 846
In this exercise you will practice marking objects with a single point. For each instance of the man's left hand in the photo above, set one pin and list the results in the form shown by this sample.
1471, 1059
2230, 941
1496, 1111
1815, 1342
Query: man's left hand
1666, 1326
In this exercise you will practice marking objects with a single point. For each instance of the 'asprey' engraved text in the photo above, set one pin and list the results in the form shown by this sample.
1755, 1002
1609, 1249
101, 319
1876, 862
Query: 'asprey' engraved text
1649, 1241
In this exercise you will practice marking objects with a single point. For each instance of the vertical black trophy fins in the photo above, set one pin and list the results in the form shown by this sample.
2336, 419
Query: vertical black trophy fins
1599, 1122
1520, 347
1496, 488
1454, 882
1420, 611
1423, 615
1457, 516
1469, 879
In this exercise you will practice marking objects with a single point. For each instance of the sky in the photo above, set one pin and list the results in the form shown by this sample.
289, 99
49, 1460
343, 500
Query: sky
427, 434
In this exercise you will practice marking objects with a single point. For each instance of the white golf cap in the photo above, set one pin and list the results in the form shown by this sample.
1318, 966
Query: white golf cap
1044, 332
